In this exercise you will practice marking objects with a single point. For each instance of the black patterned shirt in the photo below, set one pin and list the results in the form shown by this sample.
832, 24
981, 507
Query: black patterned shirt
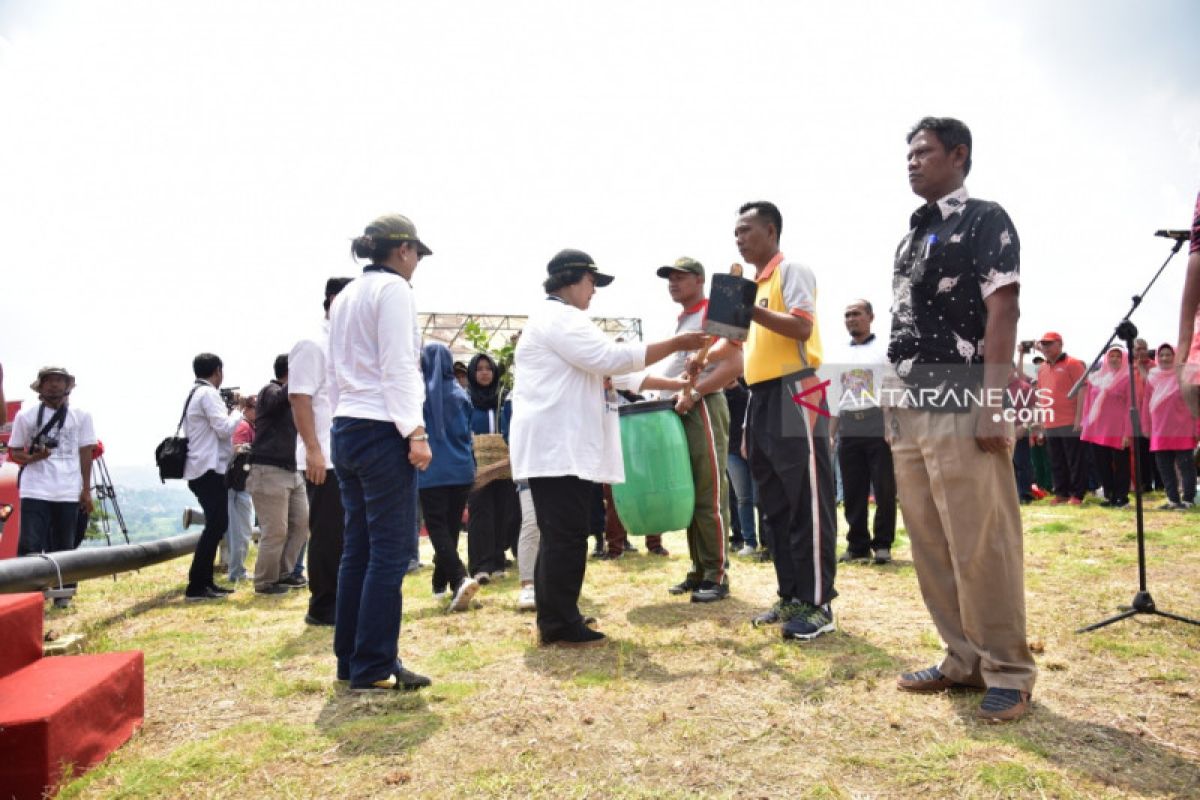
957, 252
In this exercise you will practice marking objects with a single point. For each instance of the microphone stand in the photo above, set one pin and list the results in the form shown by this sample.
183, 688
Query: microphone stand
1142, 603
1137, 301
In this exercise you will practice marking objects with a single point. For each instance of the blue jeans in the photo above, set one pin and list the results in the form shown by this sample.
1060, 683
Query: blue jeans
241, 521
298, 570
379, 495
743, 487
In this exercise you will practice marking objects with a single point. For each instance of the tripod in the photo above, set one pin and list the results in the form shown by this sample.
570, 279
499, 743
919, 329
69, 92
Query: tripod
106, 493
1142, 603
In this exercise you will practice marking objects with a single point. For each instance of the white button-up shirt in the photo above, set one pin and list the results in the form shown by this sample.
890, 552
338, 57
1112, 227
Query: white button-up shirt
208, 426
307, 366
562, 423
374, 367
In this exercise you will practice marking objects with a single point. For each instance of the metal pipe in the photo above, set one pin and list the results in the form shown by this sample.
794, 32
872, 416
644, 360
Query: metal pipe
49, 570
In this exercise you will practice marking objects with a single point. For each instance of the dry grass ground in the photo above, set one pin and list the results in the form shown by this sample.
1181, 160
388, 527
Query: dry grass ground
686, 701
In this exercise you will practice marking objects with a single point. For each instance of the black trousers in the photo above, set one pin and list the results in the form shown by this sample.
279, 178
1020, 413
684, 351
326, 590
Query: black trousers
1151, 476
562, 506
1023, 467
1068, 462
209, 489
866, 463
326, 525
493, 525
1180, 485
793, 472
1113, 466
442, 507
49, 526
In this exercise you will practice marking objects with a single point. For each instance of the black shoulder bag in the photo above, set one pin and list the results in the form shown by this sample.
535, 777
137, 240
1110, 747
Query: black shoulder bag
171, 453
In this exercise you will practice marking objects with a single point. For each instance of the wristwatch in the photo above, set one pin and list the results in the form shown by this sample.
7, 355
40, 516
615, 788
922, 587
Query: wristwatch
419, 437
695, 396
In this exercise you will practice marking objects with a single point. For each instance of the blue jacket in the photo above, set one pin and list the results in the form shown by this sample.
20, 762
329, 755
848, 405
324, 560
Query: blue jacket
449, 425
480, 419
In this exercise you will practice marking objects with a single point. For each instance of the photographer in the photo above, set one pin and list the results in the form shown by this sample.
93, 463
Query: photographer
277, 488
53, 444
209, 422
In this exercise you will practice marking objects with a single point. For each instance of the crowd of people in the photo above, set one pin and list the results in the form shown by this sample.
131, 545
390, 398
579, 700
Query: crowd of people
365, 430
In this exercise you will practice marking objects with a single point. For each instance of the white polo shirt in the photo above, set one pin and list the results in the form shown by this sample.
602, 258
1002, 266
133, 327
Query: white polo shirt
374, 369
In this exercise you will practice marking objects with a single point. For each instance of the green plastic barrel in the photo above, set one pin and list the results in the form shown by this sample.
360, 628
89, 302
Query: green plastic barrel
657, 495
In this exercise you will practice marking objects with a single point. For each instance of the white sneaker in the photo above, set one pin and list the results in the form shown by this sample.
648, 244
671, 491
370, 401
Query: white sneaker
526, 601
746, 550
462, 598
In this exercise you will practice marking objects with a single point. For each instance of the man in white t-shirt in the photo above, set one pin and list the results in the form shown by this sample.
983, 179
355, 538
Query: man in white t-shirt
53, 442
863, 452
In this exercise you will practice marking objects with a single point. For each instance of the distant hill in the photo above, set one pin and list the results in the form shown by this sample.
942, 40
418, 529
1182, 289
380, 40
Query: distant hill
152, 509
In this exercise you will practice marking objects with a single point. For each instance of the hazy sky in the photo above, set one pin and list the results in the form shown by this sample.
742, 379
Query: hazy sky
181, 176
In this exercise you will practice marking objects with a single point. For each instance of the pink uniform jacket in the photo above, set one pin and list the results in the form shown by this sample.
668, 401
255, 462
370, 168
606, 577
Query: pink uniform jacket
1165, 416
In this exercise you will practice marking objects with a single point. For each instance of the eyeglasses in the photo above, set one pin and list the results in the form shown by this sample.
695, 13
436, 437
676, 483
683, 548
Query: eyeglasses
1044, 342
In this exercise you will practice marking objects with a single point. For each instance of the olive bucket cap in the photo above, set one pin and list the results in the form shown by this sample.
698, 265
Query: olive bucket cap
45, 372
577, 259
684, 264
396, 228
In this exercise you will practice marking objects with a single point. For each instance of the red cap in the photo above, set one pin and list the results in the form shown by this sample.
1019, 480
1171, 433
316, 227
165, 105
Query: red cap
1051, 336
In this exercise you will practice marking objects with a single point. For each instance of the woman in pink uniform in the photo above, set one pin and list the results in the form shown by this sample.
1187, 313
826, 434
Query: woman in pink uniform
1172, 430
1107, 427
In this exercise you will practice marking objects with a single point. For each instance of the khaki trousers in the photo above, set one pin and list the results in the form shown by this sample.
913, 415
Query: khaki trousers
282, 507
963, 519
707, 429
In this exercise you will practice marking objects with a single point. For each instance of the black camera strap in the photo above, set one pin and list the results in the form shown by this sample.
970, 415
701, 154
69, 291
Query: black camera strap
59, 418
187, 403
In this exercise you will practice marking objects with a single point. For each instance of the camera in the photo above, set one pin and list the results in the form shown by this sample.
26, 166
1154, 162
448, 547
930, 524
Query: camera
229, 396
41, 443
1026, 346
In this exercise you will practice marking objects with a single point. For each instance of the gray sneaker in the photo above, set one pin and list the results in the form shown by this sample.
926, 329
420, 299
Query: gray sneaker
769, 617
883, 556
810, 623
849, 557
780, 612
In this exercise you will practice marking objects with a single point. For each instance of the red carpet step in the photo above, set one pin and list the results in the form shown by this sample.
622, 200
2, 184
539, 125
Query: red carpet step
60, 716
20, 632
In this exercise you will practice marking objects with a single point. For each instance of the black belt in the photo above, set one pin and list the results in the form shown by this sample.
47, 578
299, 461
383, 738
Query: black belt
859, 416
807, 372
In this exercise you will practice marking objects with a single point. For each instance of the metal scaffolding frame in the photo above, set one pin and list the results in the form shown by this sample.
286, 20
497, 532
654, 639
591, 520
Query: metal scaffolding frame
448, 328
